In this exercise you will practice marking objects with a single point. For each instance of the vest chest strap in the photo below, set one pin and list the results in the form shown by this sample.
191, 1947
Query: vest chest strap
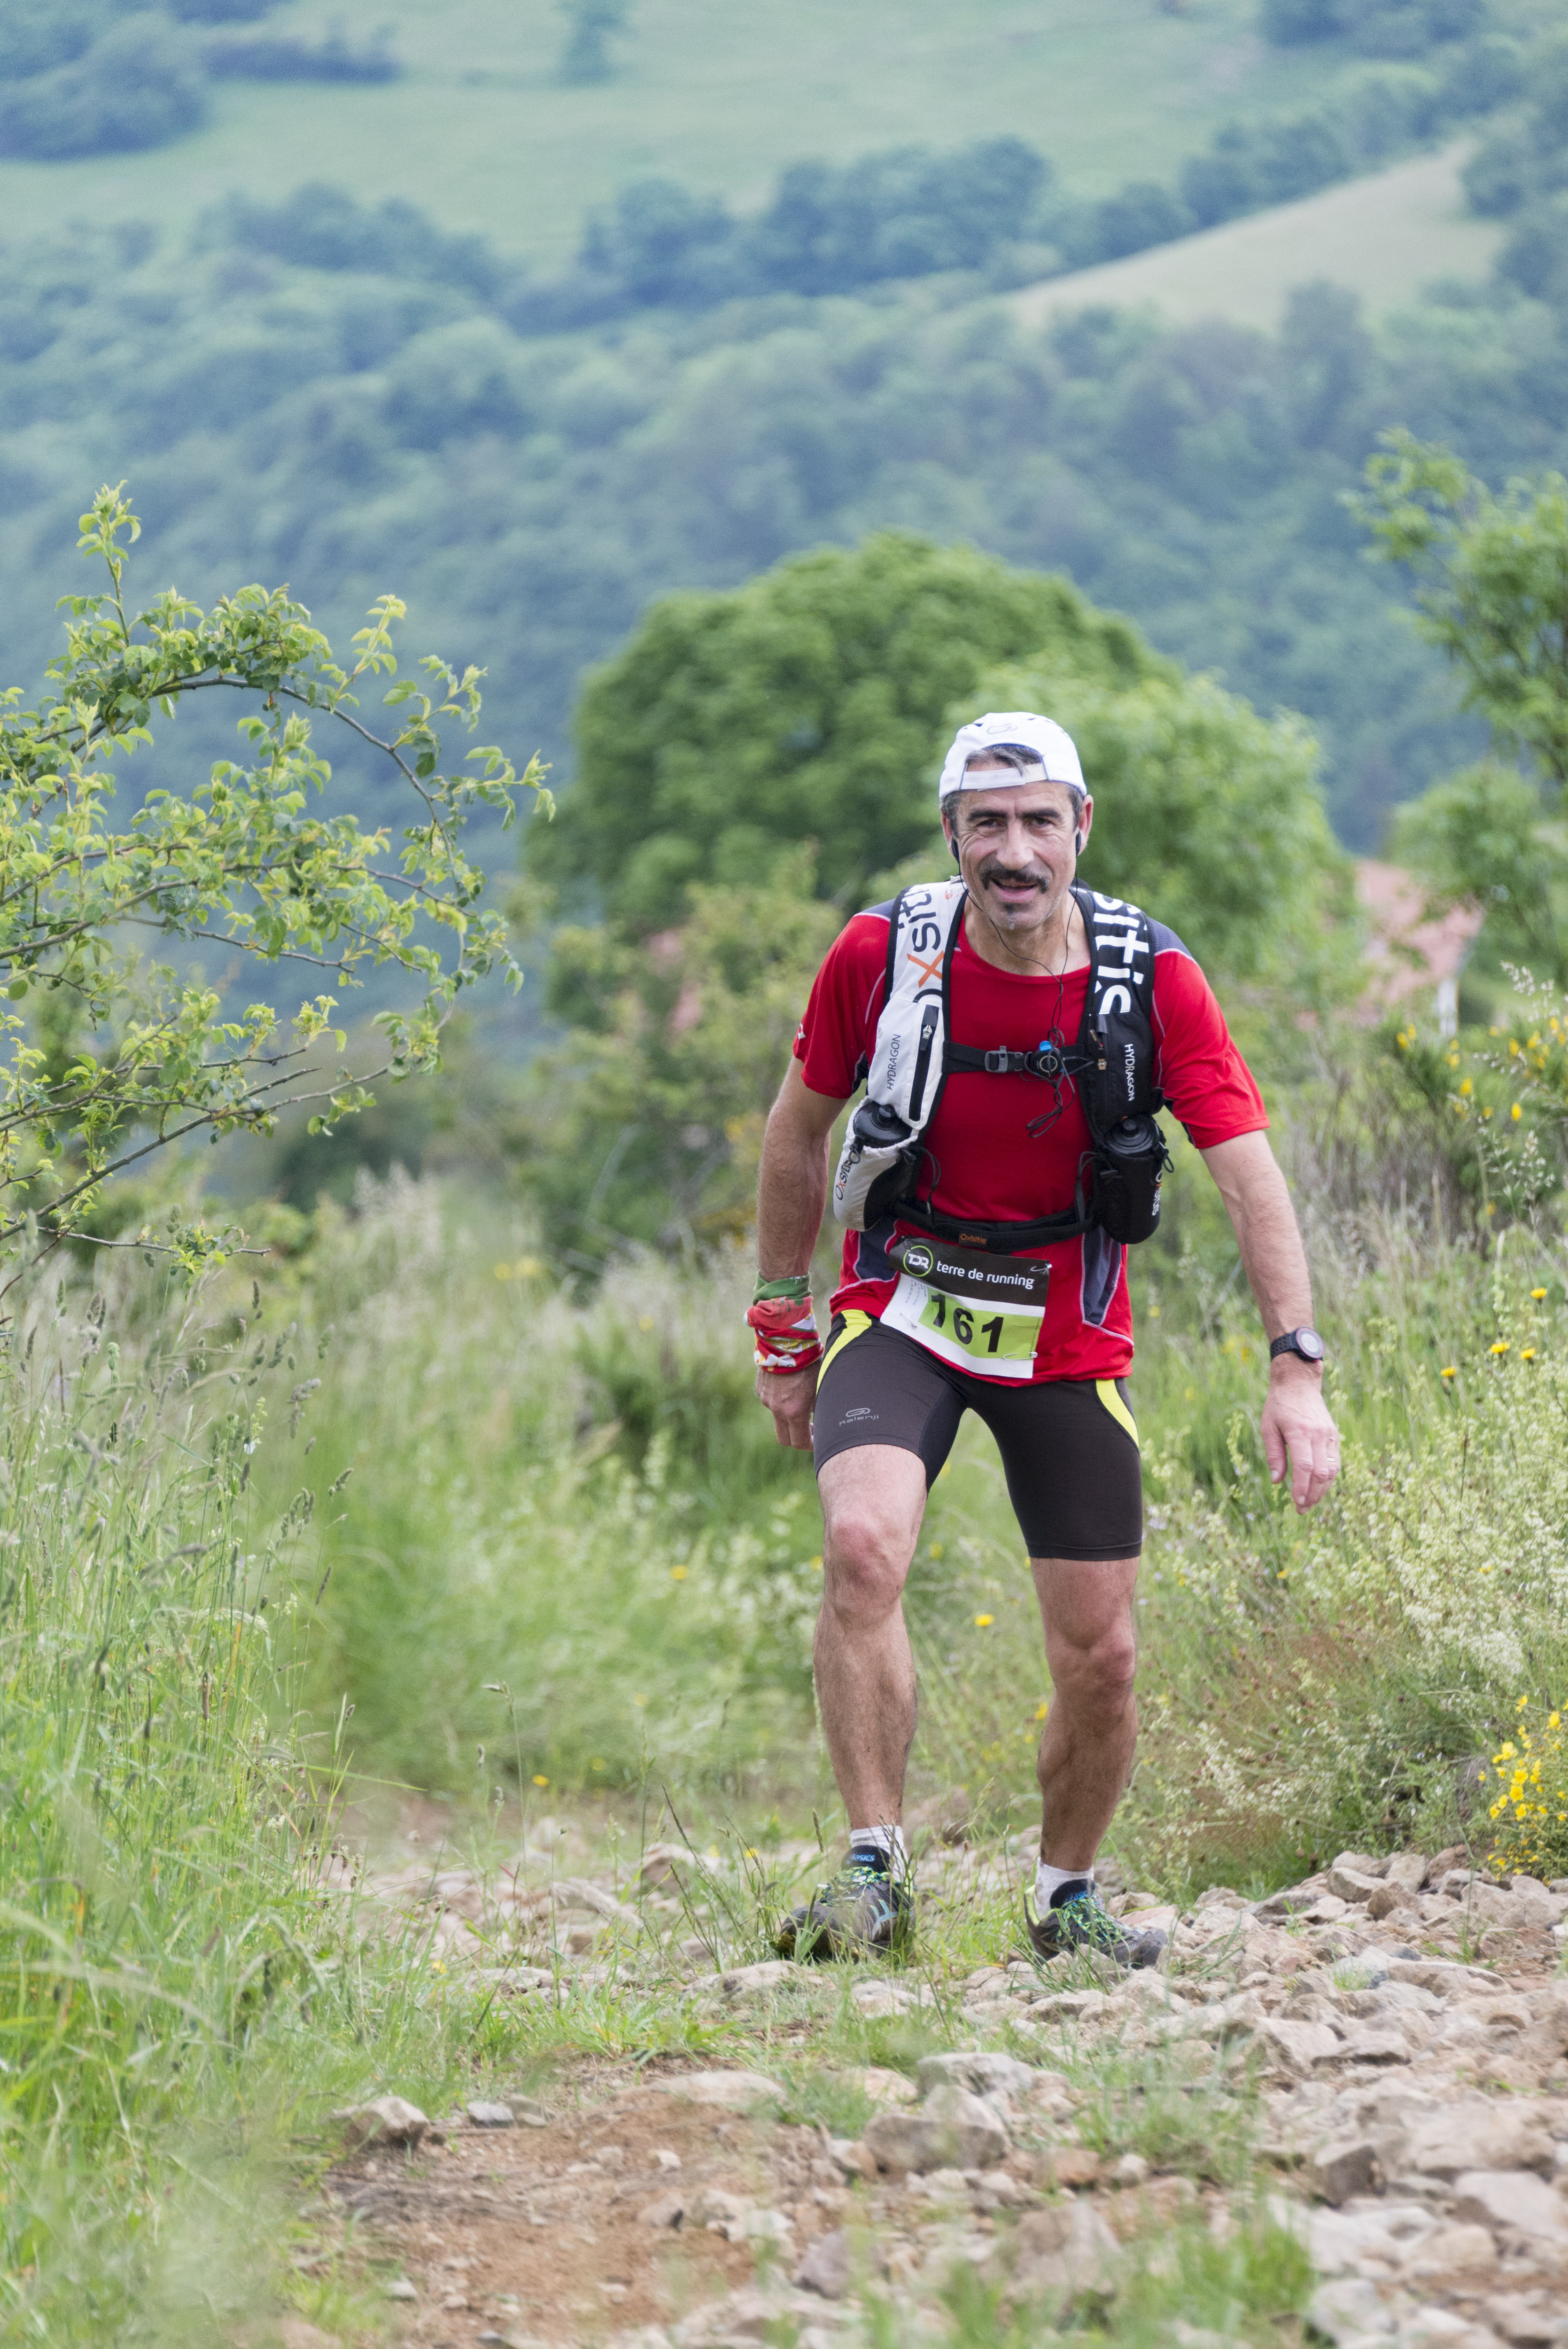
1047, 1061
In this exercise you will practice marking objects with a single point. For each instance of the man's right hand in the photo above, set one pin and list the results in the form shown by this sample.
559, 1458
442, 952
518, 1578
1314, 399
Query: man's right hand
789, 1395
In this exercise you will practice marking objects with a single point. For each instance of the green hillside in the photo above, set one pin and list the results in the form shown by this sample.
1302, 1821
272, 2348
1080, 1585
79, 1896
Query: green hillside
481, 134
1382, 237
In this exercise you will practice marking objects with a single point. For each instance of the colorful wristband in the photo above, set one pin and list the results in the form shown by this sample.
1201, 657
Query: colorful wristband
785, 1329
795, 1286
783, 1363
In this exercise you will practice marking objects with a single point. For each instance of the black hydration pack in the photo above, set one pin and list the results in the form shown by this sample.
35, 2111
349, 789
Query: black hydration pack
1112, 1065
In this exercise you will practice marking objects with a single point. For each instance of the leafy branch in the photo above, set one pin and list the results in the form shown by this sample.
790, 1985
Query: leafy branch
120, 1057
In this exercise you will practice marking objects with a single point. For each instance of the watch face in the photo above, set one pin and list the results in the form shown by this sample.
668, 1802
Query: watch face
1308, 1343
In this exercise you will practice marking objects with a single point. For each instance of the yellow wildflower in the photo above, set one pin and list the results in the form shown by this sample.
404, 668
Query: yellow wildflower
982, 1620
1452, 1370
1516, 1112
1497, 1346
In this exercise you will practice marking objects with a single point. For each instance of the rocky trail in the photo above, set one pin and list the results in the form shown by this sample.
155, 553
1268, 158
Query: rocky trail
1371, 2066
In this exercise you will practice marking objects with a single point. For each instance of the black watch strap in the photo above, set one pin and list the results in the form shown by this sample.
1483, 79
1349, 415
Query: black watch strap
1304, 1341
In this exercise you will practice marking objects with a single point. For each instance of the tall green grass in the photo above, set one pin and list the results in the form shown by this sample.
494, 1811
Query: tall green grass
410, 1509
566, 1547
570, 1554
1305, 1685
179, 2002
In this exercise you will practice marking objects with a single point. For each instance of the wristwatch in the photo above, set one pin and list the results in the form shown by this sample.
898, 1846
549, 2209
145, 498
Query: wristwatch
1305, 1343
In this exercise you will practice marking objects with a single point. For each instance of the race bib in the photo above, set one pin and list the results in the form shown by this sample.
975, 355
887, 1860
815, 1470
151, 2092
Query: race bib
982, 1312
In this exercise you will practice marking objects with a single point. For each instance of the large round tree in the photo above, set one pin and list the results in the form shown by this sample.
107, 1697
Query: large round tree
811, 704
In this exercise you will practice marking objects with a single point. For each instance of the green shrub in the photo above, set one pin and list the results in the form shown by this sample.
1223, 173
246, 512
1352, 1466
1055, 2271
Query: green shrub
137, 87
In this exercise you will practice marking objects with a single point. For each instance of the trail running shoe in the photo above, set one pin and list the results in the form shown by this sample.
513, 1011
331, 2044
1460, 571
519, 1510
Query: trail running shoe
1081, 1922
863, 1912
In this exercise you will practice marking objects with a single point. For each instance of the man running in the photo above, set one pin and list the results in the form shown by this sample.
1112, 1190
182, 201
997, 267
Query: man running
915, 1340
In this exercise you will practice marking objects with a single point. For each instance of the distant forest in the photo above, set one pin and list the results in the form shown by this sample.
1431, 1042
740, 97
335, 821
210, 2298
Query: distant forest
350, 398
98, 78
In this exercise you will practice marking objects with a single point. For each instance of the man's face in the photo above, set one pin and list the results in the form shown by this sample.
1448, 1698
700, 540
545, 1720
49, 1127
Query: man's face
1017, 848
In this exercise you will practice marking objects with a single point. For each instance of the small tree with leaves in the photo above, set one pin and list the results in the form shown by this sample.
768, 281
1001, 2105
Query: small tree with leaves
585, 57
1491, 591
108, 1055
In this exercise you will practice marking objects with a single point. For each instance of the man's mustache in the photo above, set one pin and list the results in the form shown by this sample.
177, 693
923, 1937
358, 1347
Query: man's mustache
1012, 876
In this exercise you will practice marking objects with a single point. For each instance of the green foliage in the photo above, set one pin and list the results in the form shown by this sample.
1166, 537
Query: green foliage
89, 78
1204, 813
646, 1126
149, 1922
1303, 1683
1485, 834
1178, 2111
564, 1538
183, 2001
347, 361
1492, 593
1523, 158
808, 704
1250, 165
146, 1057
138, 85
1398, 28
591, 26
906, 212
321, 227
37, 34
1493, 587
266, 58
1186, 480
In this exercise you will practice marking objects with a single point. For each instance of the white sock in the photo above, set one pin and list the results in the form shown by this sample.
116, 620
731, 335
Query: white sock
1049, 1880
886, 1842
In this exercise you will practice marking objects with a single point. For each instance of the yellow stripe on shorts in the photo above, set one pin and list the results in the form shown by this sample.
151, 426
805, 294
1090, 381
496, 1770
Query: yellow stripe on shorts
855, 1324
1106, 1389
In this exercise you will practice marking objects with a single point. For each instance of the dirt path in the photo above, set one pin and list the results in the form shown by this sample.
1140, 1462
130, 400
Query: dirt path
1374, 2065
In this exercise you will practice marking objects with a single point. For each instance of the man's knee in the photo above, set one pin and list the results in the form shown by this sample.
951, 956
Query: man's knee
1096, 1674
865, 1558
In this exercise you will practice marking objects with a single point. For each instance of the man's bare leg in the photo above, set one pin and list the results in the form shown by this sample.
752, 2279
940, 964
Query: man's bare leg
1091, 1729
873, 1499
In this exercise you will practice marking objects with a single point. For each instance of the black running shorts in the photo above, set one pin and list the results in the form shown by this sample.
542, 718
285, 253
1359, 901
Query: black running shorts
1069, 1446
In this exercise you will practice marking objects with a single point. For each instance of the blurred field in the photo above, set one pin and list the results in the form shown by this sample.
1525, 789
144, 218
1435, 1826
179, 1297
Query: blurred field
1384, 237
483, 135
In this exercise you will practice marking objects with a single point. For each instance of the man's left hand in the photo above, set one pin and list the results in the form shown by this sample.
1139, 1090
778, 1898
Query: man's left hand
1299, 1434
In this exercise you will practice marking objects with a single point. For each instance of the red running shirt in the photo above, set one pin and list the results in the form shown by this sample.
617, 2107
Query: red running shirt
991, 1166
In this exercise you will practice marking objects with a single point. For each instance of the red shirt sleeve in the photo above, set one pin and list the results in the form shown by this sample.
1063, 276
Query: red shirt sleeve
1197, 1066
834, 1041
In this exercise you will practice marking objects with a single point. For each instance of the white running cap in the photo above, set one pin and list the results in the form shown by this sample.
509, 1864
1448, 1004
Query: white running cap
1057, 751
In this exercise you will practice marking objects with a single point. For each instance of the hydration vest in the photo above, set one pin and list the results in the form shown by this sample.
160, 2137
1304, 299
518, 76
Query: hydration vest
1112, 1065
